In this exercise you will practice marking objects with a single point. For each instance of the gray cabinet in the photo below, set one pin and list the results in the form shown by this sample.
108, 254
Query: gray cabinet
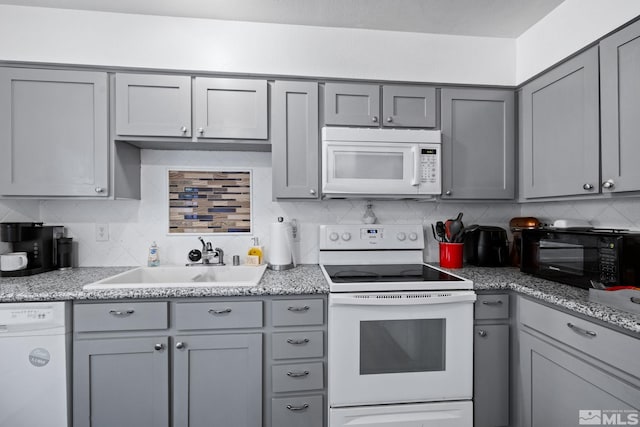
478, 143
294, 140
620, 109
358, 104
560, 130
491, 387
53, 133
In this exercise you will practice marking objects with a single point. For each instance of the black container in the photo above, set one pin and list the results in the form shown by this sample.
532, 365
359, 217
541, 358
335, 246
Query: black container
11, 232
486, 246
65, 253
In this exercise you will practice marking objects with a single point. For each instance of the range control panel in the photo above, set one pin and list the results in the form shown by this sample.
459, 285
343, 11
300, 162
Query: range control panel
371, 236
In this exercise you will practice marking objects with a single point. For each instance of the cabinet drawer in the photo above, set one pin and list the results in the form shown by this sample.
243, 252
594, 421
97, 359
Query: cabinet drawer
613, 348
298, 312
218, 315
304, 411
120, 316
293, 345
297, 377
492, 306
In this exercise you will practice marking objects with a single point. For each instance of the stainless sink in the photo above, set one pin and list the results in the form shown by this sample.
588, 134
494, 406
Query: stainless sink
180, 276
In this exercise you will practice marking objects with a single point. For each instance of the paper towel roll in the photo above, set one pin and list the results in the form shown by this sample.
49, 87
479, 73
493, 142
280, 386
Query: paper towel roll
281, 256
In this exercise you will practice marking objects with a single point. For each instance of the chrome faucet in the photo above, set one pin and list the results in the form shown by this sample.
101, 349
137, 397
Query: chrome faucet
210, 256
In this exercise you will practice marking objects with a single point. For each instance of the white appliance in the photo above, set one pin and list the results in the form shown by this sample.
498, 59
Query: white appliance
400, 339
35, 353
386, 163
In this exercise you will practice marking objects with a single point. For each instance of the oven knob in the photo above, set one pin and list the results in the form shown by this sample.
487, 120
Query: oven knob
413, 236
346, 236
401, 236
333, 237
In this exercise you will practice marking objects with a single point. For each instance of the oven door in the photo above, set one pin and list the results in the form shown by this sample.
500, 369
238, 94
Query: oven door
400, 347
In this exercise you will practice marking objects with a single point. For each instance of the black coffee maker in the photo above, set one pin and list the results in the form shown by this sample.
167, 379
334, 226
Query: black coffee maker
37, 240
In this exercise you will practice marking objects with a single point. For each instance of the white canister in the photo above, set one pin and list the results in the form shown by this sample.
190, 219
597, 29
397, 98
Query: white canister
281, 254
13, 261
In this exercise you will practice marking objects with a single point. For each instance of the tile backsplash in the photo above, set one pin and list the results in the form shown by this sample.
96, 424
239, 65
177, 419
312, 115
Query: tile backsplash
134, 224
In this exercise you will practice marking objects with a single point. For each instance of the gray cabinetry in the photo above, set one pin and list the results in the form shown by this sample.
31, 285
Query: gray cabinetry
409, 106
491, 389
620, 110
294, 140
53, 133
560, 130
478, 143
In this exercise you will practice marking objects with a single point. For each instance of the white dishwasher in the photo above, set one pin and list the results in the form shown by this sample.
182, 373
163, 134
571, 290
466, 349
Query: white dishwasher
35, 355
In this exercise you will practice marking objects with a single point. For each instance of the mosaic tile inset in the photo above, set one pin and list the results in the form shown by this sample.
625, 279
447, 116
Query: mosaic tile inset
209, 202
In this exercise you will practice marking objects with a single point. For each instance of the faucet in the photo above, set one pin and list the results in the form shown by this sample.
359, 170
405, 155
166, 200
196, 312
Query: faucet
209, 254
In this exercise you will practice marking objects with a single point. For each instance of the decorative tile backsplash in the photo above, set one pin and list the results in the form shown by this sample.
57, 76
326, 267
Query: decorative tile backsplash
204, 202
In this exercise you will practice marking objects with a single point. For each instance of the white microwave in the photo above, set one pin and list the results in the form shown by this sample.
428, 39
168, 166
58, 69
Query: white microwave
381, 163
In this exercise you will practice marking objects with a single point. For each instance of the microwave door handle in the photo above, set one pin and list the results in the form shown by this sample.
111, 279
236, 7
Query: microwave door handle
415, 150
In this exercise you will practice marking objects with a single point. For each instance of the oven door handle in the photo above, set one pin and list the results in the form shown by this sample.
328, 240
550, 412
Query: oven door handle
399, 299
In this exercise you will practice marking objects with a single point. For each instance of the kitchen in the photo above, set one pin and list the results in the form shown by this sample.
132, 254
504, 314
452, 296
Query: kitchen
131, 225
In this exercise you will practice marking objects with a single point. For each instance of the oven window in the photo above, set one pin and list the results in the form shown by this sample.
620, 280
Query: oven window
368, 165
396, 346
563, 257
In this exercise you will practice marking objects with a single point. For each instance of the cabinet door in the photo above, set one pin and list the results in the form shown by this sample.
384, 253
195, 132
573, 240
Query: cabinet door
231, 108
53, 133
153, 105
351, 104
478, 144
620, 109
561, 130
218, 380
294, 140
491, 376
409, 106
563, 389
121, 382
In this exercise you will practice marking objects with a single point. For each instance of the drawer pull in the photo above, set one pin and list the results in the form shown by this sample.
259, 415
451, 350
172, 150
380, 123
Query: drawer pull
482, 333
298, 309
120, 313
497, 302
297, 374
298, 408
297, 342
581, 331
225, 311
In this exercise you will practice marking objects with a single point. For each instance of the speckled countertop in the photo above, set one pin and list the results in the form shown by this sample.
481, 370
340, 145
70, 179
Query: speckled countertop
302, 280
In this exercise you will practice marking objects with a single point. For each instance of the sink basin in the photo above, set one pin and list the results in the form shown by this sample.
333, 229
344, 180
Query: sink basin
180, 276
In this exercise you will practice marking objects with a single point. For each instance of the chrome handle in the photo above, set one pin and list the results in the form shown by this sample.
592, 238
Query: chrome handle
180, 345
497, 302
225, 311
183, 129
159, 347
312, 192
389, 119
374, 119
297, 342
99, 190
298, 408
588, 187
482, 333
119, 313
447, 193
298, 309
201, 131
297, 374
608, 184
579, 330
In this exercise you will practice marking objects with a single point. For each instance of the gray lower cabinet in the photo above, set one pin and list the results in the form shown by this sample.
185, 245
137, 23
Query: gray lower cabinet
620, 109
53, 133
478, 143
294, 140
560, 128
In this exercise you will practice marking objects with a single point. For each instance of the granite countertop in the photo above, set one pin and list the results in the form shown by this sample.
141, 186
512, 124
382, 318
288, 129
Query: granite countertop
304, 280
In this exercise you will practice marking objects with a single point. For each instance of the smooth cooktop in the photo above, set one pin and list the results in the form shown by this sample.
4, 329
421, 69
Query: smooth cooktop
387, 273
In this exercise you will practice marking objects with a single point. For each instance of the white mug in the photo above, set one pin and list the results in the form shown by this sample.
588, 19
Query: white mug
13, 261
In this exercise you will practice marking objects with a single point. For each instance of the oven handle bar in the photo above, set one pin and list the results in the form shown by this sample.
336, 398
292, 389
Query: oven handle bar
403, 298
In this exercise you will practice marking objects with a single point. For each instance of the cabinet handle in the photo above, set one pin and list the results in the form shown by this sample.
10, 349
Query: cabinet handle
180, 345
374, 119
497, 302
297, 374
298, 309
581, 331
119, 313
183, 129
608, 184
448, 193
389, 119
298, 408
225, 311
312, 192
588, 187
159, 347
298, 341
99, 190
482, 333
201, 131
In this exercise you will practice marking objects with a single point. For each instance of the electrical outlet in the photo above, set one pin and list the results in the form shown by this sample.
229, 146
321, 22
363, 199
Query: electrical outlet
102, 232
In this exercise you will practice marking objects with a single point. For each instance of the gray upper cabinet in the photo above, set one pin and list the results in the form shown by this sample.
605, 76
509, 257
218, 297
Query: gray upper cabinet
53, 133
294, 140
620, 110
230, 108
478, 143
409, 106
153, 105
560, 130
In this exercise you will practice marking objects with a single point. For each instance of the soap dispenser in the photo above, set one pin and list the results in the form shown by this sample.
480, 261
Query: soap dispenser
255, 251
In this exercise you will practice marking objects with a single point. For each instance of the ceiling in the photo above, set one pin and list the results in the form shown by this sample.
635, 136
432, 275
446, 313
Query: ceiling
490, 18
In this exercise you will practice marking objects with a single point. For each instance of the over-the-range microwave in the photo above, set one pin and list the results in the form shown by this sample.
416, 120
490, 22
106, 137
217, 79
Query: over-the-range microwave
381, 163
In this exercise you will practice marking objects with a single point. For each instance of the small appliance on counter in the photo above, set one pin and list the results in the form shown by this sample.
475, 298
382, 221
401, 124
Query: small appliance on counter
39, 242
486, 246
516, 225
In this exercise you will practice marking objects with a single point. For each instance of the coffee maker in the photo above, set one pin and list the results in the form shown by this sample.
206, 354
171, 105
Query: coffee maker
37, 240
